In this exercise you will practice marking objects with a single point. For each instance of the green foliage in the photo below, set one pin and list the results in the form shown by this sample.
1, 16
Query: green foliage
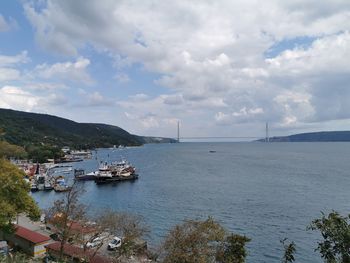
8, 150
40, 153
18, 257
193, 241
335, 230
289, 250
64, 213
23, 128
128, 226
14, 195
233, 249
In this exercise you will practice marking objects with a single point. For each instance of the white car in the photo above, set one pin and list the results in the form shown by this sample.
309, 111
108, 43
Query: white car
95, 242
114, 244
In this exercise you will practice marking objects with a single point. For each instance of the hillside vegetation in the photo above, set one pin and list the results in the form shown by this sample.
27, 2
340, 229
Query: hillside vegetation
325, 136
28, 129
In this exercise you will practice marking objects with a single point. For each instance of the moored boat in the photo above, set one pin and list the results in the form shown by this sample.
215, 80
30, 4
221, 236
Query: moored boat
60, 185
80, 175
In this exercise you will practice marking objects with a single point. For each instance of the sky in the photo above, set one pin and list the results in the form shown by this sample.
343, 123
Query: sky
221, 68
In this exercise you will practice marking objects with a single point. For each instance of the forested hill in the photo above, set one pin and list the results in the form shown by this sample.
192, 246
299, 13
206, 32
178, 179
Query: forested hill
325, 136
24, 128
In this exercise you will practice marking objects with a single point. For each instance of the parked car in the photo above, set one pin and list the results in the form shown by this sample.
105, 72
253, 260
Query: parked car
3, 248
114, 244
95, 242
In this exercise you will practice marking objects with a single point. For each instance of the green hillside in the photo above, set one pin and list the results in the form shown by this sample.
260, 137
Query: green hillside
324, 136
24, 129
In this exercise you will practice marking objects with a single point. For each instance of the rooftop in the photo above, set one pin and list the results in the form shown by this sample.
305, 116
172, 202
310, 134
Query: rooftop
30, 235
77, 252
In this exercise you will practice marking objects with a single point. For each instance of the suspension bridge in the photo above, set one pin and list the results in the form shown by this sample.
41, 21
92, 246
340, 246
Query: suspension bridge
181, 138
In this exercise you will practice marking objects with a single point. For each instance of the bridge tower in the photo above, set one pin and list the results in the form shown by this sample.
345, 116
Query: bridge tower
267, 138
178, 131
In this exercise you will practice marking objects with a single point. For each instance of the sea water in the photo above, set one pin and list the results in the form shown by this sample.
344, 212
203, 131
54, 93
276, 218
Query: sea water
266, 191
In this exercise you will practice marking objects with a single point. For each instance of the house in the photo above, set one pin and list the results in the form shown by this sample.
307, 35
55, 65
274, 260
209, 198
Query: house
76, 229
75, 254
31, 242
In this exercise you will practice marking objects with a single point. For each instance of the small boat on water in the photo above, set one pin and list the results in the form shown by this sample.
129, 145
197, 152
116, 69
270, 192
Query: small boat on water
60, 185
48, 186
80, 175
40, 181
33, 187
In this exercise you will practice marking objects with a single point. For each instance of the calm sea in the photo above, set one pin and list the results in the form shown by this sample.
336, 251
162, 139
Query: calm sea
264, 191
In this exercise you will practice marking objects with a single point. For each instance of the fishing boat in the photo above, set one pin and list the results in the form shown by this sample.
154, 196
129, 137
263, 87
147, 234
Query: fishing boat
80, 175
48, 186
114, 178
33, 186
40, 181
60, 185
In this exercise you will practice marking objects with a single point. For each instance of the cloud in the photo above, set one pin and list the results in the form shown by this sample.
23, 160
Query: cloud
122, 77
8, 64
14, 60
210, 57
7, 25
13, 97
7, 74
93, 99
139, 97
66, 71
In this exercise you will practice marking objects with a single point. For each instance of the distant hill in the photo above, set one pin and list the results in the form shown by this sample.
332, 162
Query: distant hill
24, 128
325, 136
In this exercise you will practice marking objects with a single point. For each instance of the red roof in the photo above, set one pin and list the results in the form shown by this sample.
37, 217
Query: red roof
76, 226
77, 252
30, 235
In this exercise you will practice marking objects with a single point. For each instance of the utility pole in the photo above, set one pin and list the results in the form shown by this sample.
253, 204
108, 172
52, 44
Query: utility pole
178, 131
267, 138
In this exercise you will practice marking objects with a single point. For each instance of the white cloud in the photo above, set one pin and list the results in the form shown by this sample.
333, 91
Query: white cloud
93, 99
7, 74
210, 55
7, 25
8, 64
139, 97
122, 77
16, 98
14, 60
20, 99
66, 71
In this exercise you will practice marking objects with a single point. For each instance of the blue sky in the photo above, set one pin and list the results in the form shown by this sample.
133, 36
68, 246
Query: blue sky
221, 69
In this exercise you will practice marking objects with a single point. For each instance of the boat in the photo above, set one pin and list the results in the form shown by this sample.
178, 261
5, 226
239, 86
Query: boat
33, 187
40, 181
80, 175
48, 186
60, 185
114, 178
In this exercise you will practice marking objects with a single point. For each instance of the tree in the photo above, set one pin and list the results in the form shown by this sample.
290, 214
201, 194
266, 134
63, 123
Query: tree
18, 258
193, 241
233, 249
131, 228
335, 230
8, 150
40, 153
289, 250
14, 195
65, 214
